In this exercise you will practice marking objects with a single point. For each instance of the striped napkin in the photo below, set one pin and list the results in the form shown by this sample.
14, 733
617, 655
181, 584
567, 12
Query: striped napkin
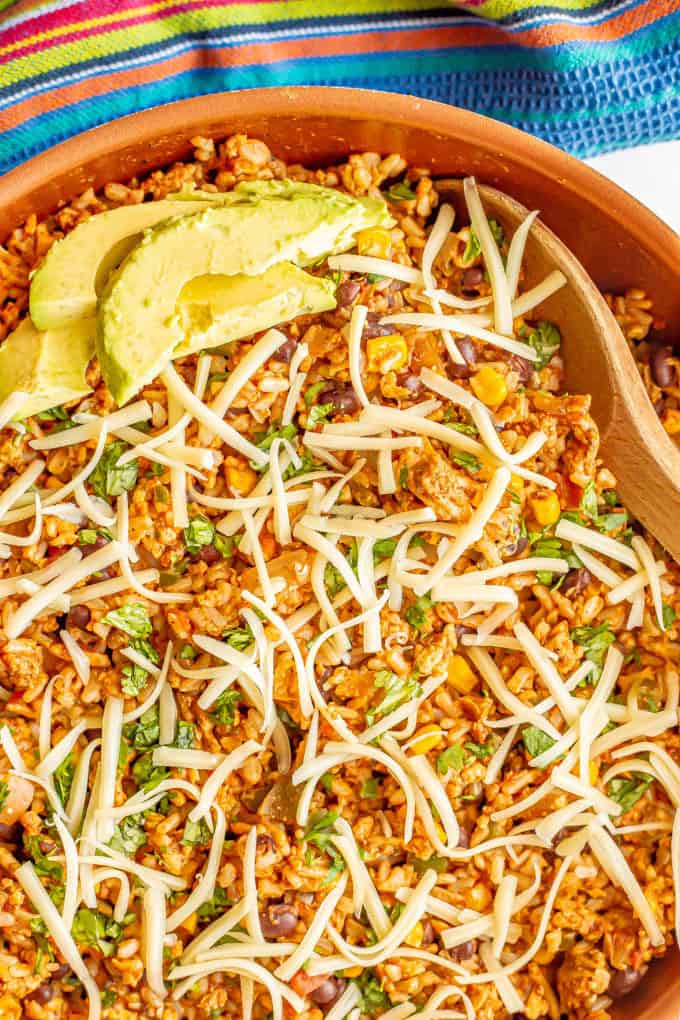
588, 75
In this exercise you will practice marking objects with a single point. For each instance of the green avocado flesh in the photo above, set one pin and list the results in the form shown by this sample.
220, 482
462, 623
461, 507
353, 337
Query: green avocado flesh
140, 320
49, 366
214, 310
64, 288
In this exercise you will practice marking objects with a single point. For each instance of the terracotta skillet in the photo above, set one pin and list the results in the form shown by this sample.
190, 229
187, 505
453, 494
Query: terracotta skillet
634, 444
619, 242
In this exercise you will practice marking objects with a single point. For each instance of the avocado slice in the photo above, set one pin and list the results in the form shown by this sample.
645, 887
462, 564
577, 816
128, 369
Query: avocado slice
214, 310
138, 325
50, 366
64, 288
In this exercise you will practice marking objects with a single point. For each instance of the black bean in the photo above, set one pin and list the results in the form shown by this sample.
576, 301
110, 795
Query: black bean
467, 348
576, 581
624, 981
429, 934
10, 833
463, 838
209, 554
460, 371
78, 616
663, 372
347, 293
264, 844
517, 547
342, 396
521, 367
285, 352
329, 992
463, 952
42, 994
462, 629
62, 970
472, 277
278, 920
373, 327
412, 383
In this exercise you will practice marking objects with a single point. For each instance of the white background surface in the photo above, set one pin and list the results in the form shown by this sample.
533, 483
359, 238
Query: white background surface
651, 173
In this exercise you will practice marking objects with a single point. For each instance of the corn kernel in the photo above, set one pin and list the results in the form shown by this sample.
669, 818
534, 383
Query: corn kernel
426, 739
546, 508
352, 972
461, 676
593, 772
374, 241
9, 1008
489, 386
517, 484
191, 923
441, 832
241, 479
478, 897
386, 353
415, 936
671, 422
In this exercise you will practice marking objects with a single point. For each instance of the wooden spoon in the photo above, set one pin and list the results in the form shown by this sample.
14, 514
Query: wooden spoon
633, 443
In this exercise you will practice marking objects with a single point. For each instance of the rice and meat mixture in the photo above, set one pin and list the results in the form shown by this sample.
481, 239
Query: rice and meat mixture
402, 740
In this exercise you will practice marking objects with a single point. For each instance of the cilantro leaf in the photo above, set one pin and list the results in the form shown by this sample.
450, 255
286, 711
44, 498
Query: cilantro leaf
146, 774
224, 708
196, 833
63, 778
420, 865
186, 734
318, 414
369, 789
383, 549
43, 864
108, 479
453, 758
416, 614
215, 906
627, 792
536, 741
545, 340
134, 679
669, 616
4, 794
199, 532
144, 733
595, 640
319, 833
397, 689
92, 928
313, 391
374, 998
467, 461
132, 619
239, 638
400, 192
480, 751
129, 835
473, 247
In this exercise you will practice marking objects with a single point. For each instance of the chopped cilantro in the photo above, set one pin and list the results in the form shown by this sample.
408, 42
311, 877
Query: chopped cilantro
53, 414
224, 708
400, 192
132, 619
239, 638
63, 778
187, 652
536, 741
669, 616
383, 549
420, 865
480, 751
374, 998
627, 792
416, 615
145, 731
264, 440
403, 478
473, 247
318, 414
186, 734
44, 865
453, 758
146, 774
595, 640
92, 928
196, 833
108, 479
398, 690
318, 833
129, 836
545, 340
4, 794
199, 532
465, 428
215, 906
313, 391
225, 545
467, 461
134, 679
369, 789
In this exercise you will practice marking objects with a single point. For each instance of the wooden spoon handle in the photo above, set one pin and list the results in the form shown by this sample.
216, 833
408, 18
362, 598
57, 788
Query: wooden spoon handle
633, 443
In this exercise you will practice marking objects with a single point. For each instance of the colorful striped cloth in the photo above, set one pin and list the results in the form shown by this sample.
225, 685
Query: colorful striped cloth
589, 75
